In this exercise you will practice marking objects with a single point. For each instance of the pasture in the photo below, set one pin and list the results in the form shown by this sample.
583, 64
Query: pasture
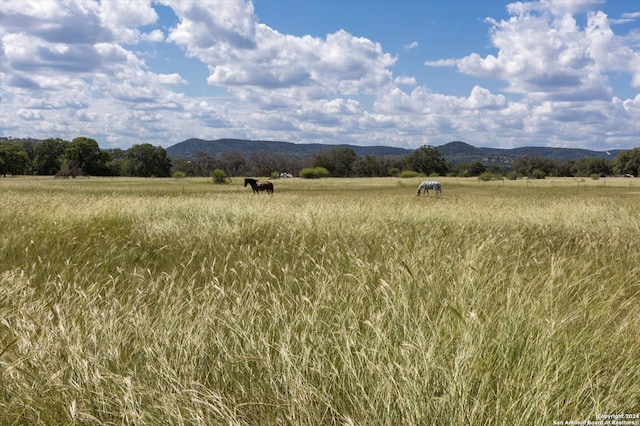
334, 301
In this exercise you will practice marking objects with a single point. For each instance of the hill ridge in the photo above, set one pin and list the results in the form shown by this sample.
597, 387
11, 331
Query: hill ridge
189, 147
455, 151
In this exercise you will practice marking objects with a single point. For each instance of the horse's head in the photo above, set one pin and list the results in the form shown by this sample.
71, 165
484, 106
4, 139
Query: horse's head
246, 182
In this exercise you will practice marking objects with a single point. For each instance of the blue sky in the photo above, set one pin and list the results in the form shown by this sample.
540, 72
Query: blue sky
405, 73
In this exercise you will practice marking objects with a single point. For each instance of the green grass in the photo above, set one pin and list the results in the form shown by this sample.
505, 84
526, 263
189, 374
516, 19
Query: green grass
334, 301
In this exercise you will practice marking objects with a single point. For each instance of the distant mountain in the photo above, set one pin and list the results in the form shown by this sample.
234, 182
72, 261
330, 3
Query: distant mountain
454, 152
186, 149
460, 152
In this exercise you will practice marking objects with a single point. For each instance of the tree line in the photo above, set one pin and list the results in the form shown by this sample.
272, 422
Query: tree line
80, 157
83, 157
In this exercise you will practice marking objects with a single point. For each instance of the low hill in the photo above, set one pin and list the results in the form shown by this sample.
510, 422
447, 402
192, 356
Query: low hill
190, 147
461, 152
454, 152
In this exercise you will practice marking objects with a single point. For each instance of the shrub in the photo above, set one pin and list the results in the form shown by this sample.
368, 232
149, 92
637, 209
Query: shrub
66, 172
537, 174
314, 173
486, 176
179, 175
393, 171
595, 176
219, 176
408, 174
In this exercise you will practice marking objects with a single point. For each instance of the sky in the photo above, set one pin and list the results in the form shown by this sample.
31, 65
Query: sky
405, 73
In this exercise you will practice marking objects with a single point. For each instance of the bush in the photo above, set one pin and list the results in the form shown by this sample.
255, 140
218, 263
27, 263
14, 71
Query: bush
314, 173
408, 174
486, 176
179, 175
66, 172
219, 176
537, 174
595, 176
393, 171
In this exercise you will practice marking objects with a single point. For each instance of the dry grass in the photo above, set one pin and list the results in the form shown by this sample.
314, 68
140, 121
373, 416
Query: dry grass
142, 301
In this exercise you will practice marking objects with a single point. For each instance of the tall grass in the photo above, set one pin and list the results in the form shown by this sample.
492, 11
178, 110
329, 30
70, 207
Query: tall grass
133, 301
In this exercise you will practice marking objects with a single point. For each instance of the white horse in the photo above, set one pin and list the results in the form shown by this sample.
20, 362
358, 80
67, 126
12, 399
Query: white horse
430, 184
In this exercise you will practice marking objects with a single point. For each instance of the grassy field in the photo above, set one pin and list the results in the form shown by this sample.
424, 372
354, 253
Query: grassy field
335, 301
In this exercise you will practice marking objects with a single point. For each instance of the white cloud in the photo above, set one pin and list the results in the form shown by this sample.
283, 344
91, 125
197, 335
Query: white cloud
481, 98
213, 27
68, 69
50, 63
341, 63
240, 51
170, 79
29, 115
631, 15
155, 36
405, 81
555, 7
543, 53
123, 17
411, 46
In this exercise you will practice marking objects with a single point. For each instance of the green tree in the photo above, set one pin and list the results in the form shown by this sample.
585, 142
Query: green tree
591, 166
428, 160
314, 173
564, 168
48, 156
369, 166
469, 169
202, 164
262, 163
628, 162
146, 160
233, 163
14, 160
29, 146
534, 166
82, 156
219, 176
537, 174
338, 161
107, 165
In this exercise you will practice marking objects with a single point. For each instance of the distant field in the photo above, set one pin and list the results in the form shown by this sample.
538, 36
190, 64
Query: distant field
334, 301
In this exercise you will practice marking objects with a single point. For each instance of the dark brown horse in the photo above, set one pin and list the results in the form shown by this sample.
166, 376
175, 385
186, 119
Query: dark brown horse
258, 186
